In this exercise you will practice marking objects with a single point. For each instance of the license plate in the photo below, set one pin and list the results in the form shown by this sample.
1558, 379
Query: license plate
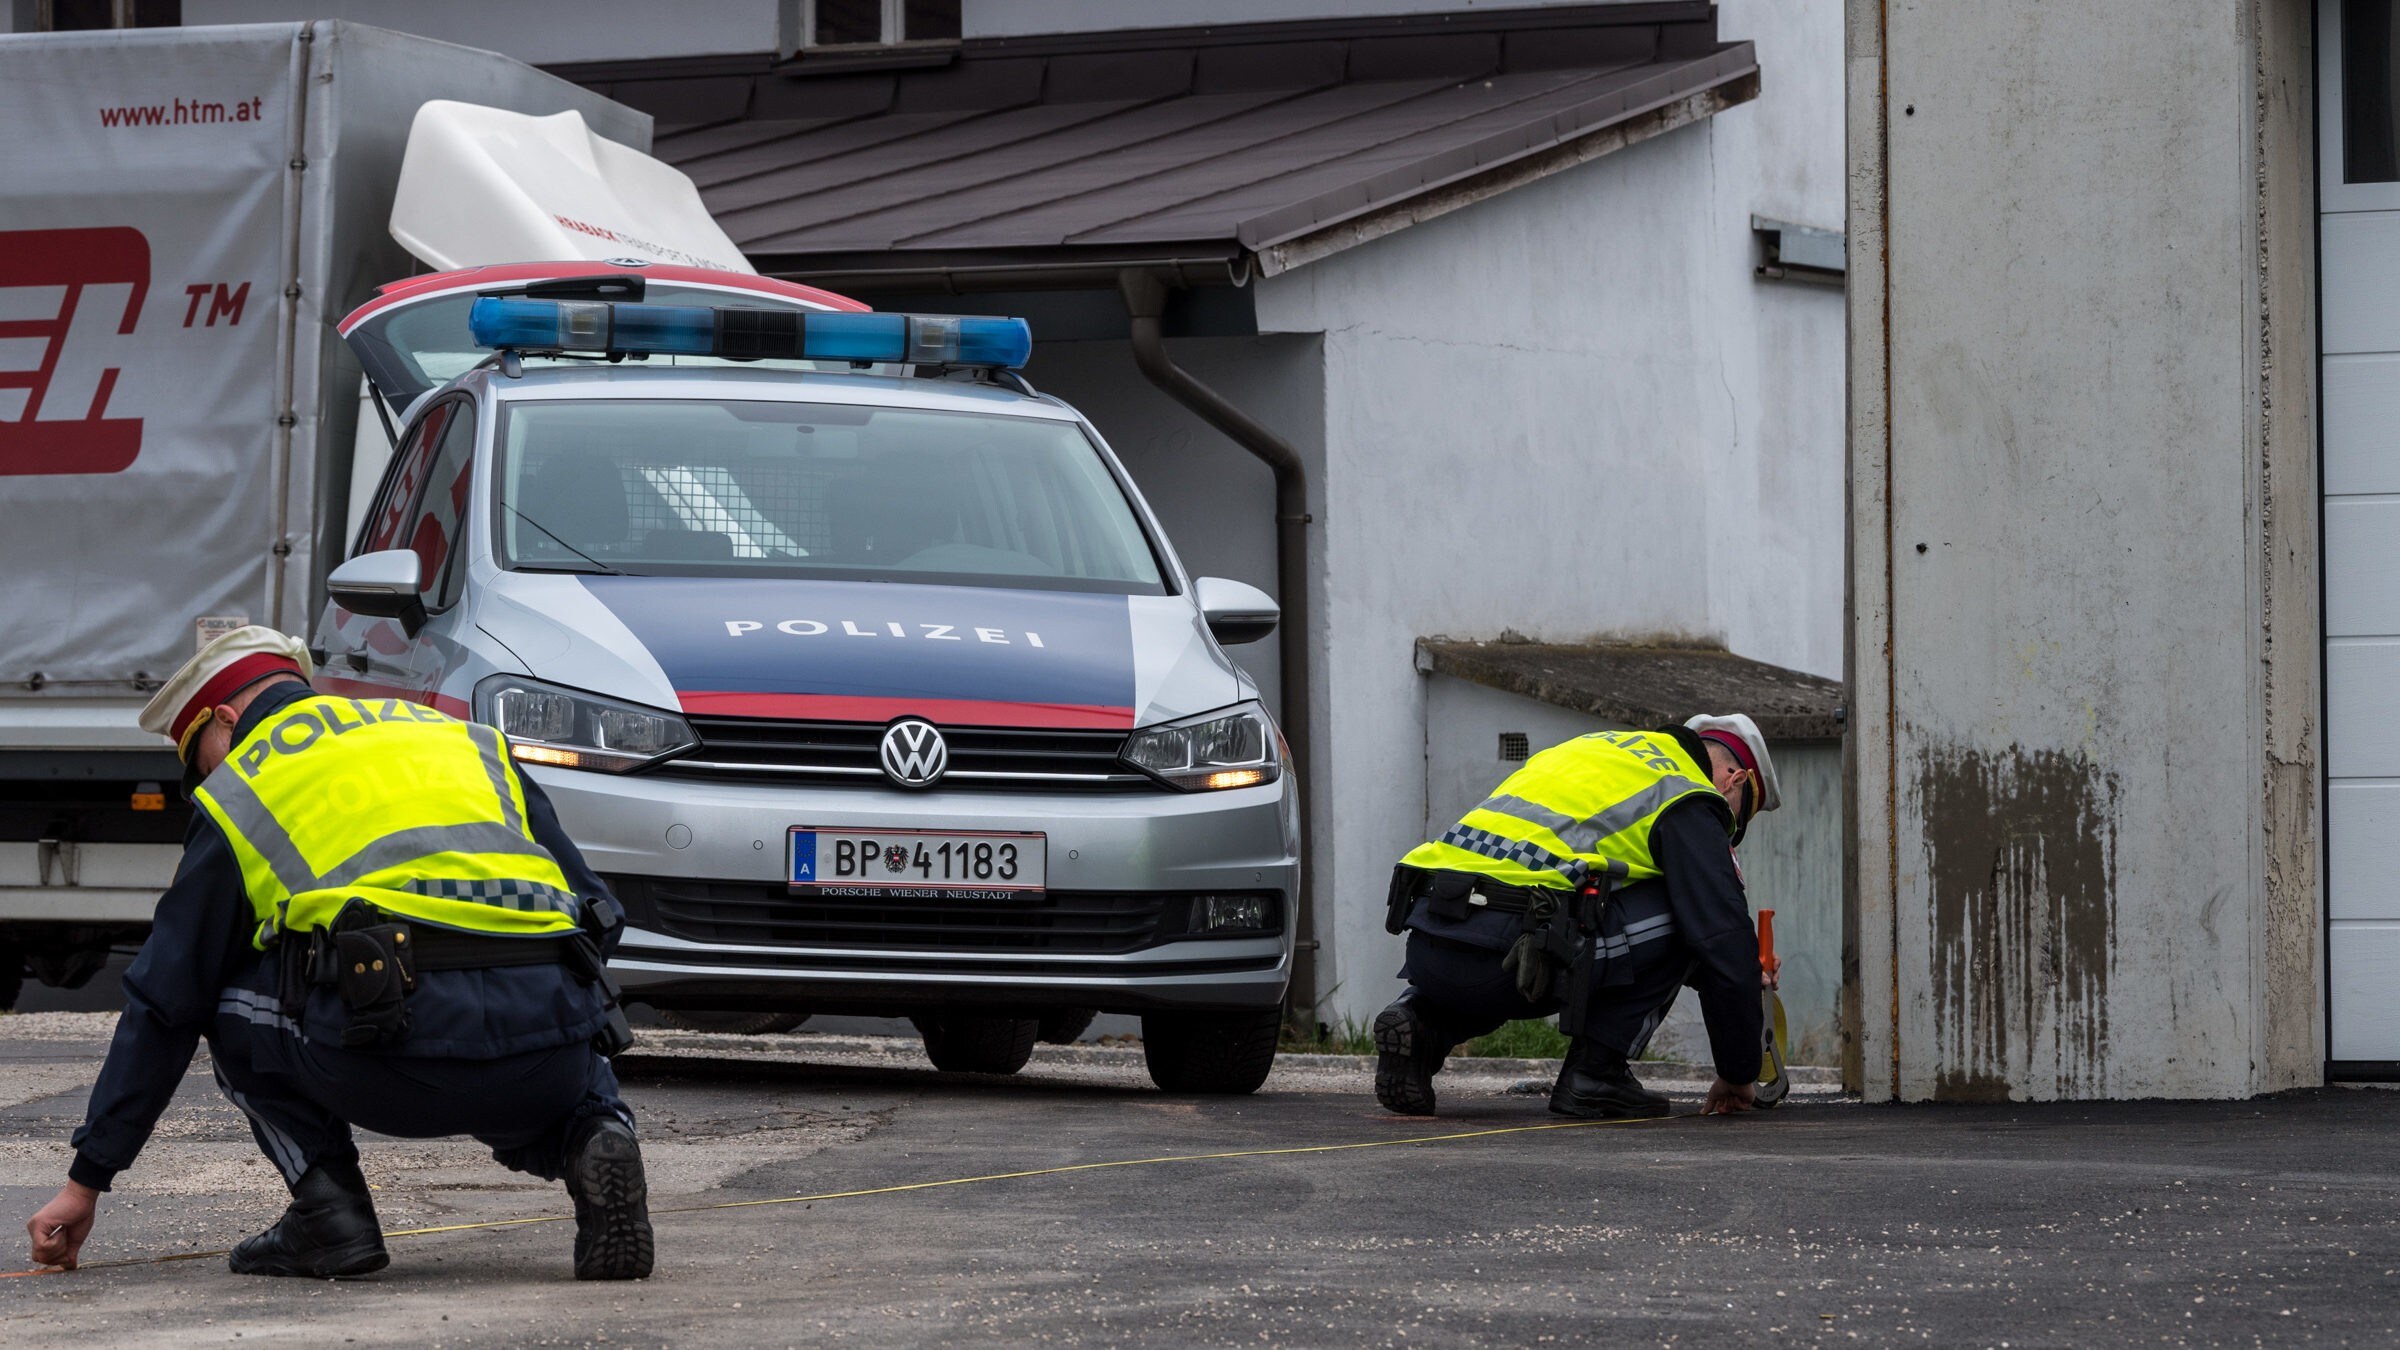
930, 864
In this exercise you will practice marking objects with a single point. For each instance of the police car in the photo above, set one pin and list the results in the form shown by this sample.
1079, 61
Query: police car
857, 666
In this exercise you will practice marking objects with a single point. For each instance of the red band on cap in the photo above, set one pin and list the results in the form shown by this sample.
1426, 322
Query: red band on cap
223, 685
1740, 749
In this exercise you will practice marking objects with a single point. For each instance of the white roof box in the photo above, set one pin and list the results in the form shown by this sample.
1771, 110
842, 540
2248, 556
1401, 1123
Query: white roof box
480, 185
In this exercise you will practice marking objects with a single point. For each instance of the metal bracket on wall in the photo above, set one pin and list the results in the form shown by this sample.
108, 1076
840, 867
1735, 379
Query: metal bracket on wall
1789, 252
62, 858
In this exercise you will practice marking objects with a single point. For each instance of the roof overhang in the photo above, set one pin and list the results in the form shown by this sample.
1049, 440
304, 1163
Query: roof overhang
1208, 154
1647, 686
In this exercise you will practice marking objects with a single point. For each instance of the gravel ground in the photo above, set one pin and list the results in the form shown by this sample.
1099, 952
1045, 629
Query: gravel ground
2216, 1223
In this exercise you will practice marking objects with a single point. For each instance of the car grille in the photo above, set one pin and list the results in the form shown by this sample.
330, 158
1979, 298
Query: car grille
749, 749
765, 914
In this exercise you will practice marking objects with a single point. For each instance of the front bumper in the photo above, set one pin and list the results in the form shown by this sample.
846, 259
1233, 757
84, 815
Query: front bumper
1129, 844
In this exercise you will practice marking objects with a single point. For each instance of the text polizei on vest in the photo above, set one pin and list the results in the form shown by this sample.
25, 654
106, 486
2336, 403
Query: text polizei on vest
928, 632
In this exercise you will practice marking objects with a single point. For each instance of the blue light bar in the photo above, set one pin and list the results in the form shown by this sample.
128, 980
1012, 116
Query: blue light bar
748, 333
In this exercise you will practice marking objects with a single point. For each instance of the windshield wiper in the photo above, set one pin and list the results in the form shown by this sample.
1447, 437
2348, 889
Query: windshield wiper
604, 568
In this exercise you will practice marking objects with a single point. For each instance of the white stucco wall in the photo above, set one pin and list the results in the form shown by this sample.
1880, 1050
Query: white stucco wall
1571, 411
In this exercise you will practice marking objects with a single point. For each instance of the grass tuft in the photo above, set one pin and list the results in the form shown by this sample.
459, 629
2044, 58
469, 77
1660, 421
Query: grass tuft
1311, 1037
1533, 1038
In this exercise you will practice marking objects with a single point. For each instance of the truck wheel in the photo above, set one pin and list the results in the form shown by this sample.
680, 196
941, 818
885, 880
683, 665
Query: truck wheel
732, 1023
1061, 1026
1228, 1053
978, 1043
12, 976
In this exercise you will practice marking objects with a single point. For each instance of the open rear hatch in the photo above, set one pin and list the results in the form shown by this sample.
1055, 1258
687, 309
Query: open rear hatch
485, 194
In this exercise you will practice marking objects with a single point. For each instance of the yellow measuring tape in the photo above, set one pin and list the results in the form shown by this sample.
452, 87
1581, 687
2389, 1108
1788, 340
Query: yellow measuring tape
907, 1186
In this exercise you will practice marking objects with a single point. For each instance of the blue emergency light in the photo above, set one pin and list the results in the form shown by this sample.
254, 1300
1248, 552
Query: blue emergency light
746, 333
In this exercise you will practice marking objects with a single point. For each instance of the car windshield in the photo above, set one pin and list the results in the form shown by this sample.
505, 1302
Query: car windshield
750, 488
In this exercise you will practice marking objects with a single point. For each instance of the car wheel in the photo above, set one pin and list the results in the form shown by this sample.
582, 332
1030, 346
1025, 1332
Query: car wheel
732, 1023
978, 1043
1062, 1026
1229, 1053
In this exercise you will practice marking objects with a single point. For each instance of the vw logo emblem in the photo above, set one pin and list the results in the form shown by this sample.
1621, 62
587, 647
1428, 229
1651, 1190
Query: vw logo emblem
914, 753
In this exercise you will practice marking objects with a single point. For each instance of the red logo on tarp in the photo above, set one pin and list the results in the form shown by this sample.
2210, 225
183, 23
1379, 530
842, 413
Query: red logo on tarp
59, 289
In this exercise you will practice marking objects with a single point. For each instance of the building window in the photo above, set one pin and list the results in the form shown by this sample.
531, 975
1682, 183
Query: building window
930, 20
76, 16
2370, 136
851, 23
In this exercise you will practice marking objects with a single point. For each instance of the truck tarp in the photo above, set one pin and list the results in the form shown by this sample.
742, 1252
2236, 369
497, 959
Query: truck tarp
183, 215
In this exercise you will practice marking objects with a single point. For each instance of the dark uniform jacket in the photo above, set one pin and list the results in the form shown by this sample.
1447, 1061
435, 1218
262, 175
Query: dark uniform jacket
1702, 888
198, 964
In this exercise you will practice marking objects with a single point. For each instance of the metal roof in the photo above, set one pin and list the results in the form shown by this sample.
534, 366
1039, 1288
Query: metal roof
1640, 686
1211, 148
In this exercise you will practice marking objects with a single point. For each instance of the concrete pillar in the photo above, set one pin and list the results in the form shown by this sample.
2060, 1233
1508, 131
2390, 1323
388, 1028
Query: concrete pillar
2083, 533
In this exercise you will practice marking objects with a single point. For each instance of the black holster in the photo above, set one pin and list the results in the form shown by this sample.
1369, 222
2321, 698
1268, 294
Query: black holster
1402, 897
1554, 955
585, 958
373, 971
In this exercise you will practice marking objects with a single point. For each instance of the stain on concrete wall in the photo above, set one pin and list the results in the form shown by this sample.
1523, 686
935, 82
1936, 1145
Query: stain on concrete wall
2020, 855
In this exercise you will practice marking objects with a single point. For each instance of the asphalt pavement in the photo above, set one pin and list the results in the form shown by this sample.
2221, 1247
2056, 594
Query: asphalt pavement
1302, 1215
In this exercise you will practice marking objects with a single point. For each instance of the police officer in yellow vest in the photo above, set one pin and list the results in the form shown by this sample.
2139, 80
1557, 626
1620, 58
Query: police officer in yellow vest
1596, 882
377, 922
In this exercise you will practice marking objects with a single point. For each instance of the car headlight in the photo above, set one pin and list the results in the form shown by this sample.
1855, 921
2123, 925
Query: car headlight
572, 730
1230, 748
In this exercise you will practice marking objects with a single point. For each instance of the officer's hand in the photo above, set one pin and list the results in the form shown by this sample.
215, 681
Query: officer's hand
59, 1228
1725, 1099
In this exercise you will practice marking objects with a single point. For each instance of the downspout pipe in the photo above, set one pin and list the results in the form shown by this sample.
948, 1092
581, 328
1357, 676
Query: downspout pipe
1145, 305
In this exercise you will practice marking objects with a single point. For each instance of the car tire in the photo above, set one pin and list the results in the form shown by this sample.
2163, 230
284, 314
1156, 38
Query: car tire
1218, 1053
732, 1023
1063, 1026
978, 1043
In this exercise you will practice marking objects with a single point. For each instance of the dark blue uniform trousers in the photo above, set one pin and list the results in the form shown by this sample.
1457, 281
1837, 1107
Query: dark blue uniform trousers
1460, 990
523, 1106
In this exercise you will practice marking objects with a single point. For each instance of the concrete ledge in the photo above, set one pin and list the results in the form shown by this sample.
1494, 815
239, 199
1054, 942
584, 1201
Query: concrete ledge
663, 1047
1643, 686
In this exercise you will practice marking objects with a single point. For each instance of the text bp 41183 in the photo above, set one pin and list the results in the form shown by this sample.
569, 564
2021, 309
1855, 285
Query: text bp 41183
945, 864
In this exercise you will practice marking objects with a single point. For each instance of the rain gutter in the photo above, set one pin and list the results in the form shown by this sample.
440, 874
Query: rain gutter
1145, 296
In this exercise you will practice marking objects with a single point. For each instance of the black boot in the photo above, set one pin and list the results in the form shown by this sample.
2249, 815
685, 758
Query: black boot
1407, 1052
612, 1201
329, 1231
1596, 1084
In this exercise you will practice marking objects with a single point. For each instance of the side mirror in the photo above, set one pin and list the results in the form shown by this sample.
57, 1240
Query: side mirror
385, 585
1236, 611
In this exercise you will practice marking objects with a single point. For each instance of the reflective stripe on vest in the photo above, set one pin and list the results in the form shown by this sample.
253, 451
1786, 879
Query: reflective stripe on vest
1584, 806
417, 812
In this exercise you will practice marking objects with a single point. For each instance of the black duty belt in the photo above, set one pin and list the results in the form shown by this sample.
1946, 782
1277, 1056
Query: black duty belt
1476, 891
1490, 894
1456, 895
449, 949
372, 960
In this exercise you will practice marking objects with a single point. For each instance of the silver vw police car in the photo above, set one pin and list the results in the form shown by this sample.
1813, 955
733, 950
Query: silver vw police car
858, 667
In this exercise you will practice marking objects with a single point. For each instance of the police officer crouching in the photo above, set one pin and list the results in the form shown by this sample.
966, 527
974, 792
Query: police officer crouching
377, 922
1595, 882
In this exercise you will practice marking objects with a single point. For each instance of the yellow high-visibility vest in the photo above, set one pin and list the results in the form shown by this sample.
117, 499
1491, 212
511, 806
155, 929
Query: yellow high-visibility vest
416, 812
1574, 809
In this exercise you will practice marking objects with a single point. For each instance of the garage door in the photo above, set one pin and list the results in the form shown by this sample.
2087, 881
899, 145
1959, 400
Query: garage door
2358, 128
